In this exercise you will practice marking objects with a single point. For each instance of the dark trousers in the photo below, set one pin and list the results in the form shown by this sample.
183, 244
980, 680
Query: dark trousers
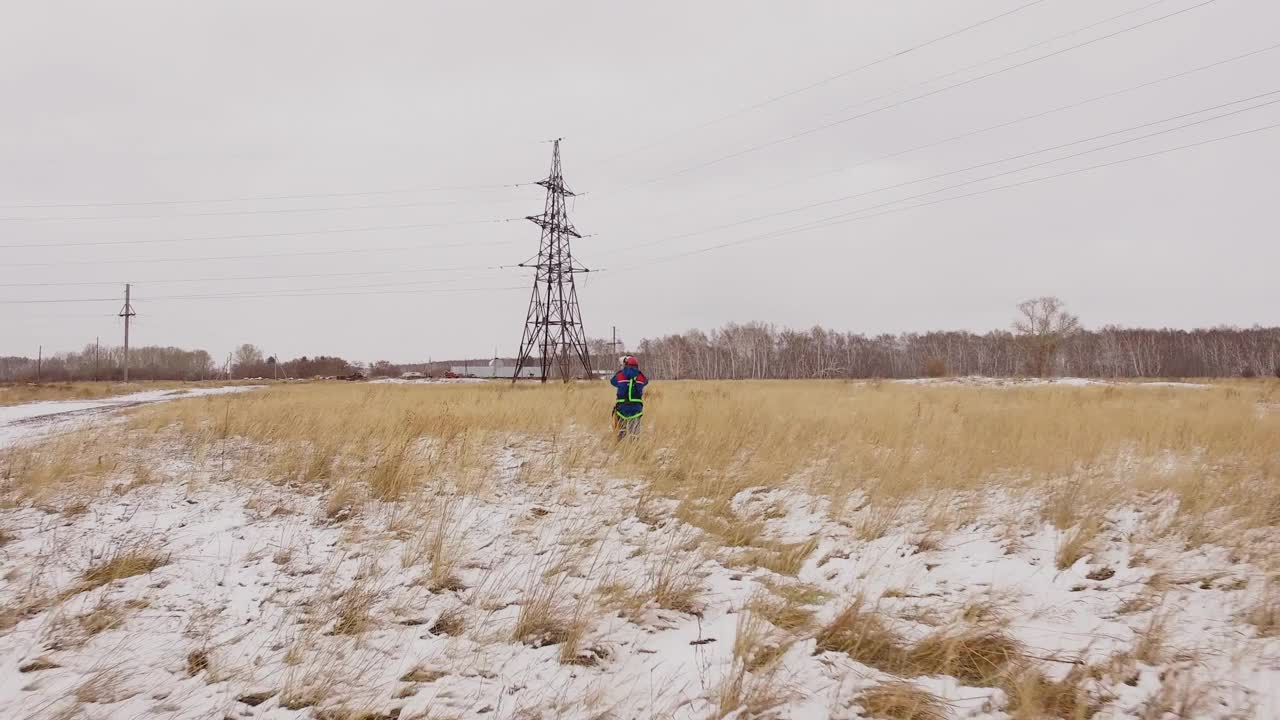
626, 419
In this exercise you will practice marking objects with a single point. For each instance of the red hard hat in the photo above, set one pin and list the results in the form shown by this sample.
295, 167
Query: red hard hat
632, 361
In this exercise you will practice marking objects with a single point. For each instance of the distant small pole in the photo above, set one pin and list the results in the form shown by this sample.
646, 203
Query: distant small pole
614, 345
126, 312
95, 359
39, 362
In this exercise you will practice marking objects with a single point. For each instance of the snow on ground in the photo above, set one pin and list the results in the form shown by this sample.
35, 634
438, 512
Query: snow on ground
983, 381
270, 605
21, 422
429, 381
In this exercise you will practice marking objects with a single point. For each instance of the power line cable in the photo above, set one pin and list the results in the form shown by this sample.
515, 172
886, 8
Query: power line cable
247, 198
259, 236
263, 295
271, 211
1005, 56
1015, 121
170, 281
845, 120
832, 222
1054, 160
269, 292
827, 80
978, 166
264, 256
458, 291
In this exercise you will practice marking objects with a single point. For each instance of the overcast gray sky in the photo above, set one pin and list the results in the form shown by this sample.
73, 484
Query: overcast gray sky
149, 102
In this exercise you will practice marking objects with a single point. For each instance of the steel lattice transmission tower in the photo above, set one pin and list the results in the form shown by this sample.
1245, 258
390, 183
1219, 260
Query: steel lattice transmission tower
553, 326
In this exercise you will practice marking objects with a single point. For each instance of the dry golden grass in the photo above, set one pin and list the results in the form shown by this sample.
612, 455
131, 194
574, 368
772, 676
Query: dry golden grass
102, 618
420, 674
541, 620
1032, 696
977, 656
1211, 448
672, 582
888, 457
1152, 643
752, 685
782, 613
118, 564
352, 610
1076, 543
1179, 696
452, 622
1265, 615
197, 662
900, 701
889, 440
104, 687
798, 593
862, 634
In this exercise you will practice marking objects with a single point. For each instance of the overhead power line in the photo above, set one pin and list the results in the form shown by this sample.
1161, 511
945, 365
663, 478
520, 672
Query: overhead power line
827, 80
1007, 55
258, 236
1015, 121
945, 88
1058, 159
226, 296
267, 292
271, 211
224, 278
257, 256
458, 291
843, 219
247, 198
1010, 158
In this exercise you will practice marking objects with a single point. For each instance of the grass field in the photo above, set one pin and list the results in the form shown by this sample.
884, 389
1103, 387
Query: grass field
791, 549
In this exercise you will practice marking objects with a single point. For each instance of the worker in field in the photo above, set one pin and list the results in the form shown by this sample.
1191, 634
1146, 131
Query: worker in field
629, 406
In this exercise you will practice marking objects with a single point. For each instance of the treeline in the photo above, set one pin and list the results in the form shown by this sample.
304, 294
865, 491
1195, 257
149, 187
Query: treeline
757, 350
248, 361
107, 363
165, 363
1046, 340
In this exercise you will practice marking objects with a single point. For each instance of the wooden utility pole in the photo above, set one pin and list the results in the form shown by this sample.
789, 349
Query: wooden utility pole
39, 362
614, 344
95, 359
126, 312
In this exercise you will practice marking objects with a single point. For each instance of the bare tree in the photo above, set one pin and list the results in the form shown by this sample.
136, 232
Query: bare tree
384, 368
604, 354
248, 354
1044, 327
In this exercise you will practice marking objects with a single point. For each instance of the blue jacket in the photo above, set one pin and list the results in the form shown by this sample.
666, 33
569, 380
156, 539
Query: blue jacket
631, 384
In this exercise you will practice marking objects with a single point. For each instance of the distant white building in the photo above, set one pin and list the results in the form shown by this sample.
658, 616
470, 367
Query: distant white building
494, 369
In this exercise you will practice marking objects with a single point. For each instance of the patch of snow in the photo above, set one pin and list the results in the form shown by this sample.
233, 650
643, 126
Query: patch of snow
982, 381
30, 420
428, 381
